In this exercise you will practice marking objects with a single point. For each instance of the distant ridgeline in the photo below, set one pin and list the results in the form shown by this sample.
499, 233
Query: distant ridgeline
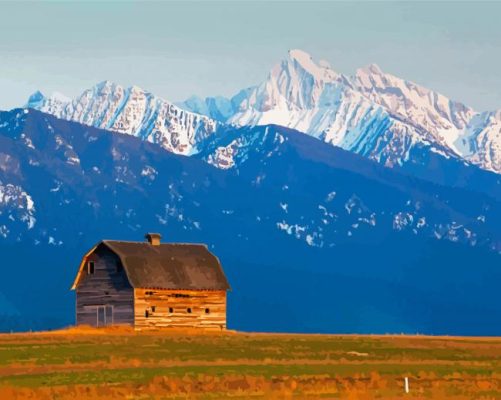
372, 113
313, 238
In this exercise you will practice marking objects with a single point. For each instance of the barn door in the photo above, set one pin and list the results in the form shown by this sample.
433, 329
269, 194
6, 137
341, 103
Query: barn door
101, 316
104, 315
108, 315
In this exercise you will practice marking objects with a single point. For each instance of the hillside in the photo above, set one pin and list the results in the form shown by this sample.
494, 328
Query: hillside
313, 238
117, 363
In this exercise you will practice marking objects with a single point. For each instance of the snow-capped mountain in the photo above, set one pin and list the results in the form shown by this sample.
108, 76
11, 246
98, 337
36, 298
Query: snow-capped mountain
132, 111
384, 118
371, 113
292, 214
53, 104
473, 136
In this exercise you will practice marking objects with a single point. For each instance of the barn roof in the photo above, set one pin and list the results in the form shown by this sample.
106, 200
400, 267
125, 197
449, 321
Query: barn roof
167, 265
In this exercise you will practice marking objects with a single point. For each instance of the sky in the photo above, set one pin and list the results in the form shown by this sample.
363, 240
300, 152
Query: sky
178, 49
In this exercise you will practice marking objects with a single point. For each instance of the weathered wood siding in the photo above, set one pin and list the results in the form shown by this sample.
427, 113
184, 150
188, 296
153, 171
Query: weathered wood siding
153, 309
106, 287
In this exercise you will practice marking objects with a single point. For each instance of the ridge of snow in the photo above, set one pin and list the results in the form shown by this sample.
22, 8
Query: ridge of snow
372, 113
133, 111
57, 96
322, 70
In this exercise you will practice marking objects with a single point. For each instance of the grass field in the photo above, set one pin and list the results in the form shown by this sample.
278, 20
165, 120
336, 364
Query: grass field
122, 364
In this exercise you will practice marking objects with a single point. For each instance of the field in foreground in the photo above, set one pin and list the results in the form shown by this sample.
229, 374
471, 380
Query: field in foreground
121, 364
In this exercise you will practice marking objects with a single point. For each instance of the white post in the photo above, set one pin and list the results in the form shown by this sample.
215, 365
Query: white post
406, 380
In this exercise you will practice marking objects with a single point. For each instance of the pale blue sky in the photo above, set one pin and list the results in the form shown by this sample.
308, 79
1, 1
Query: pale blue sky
209, 48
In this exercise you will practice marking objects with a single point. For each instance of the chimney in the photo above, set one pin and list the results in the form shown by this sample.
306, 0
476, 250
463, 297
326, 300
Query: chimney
153, 238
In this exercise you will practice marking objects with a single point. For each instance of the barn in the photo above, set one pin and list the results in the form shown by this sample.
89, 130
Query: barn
151, 285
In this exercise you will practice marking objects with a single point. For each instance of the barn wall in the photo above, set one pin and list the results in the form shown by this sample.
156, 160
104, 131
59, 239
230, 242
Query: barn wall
105, 287
180, 300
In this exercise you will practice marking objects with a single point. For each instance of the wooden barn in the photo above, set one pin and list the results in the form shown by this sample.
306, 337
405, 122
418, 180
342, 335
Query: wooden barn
151, 285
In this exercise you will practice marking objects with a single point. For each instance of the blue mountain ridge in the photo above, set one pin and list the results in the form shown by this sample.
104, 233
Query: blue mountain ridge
313, 238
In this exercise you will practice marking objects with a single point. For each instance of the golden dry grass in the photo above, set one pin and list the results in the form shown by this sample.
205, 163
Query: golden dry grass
119, 363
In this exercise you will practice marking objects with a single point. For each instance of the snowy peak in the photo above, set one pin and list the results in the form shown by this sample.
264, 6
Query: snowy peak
296, 83
319, 71
440, 119
132, 111
372, 113
104, 87
54, 104
300, 55
38, 97
373, 69
35, 99
218, 108
410, 100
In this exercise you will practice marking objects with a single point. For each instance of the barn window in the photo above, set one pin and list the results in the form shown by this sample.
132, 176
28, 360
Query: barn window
188, 310
153, 308
146, 313
180, 295
90, 267
171, 310
207, 311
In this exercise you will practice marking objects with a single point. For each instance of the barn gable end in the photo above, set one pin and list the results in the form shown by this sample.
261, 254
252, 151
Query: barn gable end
104, 295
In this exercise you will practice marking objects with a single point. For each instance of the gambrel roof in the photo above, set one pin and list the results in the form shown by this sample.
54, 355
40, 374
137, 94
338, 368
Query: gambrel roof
165, 266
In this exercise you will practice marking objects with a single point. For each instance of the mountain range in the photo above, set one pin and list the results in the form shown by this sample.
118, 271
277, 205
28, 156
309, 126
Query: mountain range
371, 113
336, 204
132, 111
